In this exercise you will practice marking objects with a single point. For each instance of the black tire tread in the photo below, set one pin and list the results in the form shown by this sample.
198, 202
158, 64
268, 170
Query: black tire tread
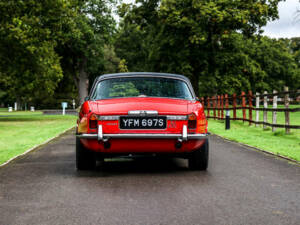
198, 159
85, 159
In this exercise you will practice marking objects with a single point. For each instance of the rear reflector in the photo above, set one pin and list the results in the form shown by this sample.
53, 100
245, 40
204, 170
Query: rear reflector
93, 124
192, 121
192, 124
93, 121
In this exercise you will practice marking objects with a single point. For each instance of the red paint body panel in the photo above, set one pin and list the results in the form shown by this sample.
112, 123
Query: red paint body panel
142, 146
121, 106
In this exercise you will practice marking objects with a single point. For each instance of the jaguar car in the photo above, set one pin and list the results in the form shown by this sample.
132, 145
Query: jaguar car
128, 114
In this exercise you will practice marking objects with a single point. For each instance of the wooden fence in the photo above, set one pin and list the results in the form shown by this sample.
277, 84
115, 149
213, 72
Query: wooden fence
217, 105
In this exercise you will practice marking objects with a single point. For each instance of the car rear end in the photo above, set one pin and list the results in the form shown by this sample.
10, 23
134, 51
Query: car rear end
142, 131
131, 114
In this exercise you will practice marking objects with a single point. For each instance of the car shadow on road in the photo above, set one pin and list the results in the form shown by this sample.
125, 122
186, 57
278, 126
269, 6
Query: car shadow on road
138, 165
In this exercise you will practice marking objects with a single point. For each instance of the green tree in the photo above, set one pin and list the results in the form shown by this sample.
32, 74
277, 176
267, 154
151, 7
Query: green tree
29, 32
84, 51
202, 26
187, 36
45, 42
136, 34
111, 61
294, 46
257, 64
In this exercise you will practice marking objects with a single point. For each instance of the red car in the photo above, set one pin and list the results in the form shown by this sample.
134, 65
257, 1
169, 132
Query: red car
142, 113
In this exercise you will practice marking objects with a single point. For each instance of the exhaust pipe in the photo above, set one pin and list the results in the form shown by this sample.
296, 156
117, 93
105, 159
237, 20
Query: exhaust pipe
106, 144
178, 144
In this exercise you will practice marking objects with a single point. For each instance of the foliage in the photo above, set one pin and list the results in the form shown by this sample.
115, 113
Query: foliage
111, 62
294, 46
215, 43
29, 32
45, 44
50, 49
256, 64
278, 63
136, 33
122, 66
86, 53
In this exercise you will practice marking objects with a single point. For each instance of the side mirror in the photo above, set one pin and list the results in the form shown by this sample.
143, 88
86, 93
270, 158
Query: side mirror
197, 99
86, 98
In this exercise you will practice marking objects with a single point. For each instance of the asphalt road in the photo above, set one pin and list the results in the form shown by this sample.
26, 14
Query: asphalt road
242, 186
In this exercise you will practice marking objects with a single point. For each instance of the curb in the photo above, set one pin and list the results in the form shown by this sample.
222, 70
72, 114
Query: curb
258, 149
35, 147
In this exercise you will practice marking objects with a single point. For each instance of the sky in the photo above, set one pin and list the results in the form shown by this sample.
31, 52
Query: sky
288, 24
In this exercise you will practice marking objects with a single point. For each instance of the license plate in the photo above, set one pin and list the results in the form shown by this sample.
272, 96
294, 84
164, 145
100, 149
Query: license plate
155, 122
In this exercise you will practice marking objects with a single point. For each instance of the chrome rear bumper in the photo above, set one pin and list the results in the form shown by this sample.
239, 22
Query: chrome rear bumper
181, 137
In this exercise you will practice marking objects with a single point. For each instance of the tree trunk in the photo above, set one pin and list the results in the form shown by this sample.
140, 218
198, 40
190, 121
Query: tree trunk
19, 105
83, 81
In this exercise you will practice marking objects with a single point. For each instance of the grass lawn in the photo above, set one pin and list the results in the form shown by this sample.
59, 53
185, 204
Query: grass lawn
276, 142
24, 130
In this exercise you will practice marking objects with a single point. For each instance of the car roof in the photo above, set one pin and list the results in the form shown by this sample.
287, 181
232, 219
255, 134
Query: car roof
115, 75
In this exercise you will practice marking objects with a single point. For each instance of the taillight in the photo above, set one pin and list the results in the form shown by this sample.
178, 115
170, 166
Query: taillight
93, 121
82, 125
202, 125
192, 121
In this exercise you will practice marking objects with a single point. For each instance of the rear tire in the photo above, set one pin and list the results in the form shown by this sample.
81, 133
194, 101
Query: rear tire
85, 158
198, 160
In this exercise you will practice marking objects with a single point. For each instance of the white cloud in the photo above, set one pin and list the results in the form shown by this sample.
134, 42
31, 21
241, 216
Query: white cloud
288, 24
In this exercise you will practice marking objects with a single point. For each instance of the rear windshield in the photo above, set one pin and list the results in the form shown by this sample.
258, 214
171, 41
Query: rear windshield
142, 87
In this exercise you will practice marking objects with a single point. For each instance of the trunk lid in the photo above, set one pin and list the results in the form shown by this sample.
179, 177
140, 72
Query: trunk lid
121, 106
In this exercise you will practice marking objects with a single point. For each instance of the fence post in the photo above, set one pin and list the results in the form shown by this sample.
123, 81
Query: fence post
257, 107
222, 107
274, 113
234, 105
226, 101
250, 107
265, 107
218, 105
208, 105
286, 105
214, 106
203, 102
244, 105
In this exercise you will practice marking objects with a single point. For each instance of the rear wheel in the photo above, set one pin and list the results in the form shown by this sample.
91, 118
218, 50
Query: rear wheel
85, 158
198, 160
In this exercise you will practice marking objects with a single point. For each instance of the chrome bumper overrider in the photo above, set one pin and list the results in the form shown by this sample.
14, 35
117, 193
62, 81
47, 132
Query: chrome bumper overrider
184, 136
